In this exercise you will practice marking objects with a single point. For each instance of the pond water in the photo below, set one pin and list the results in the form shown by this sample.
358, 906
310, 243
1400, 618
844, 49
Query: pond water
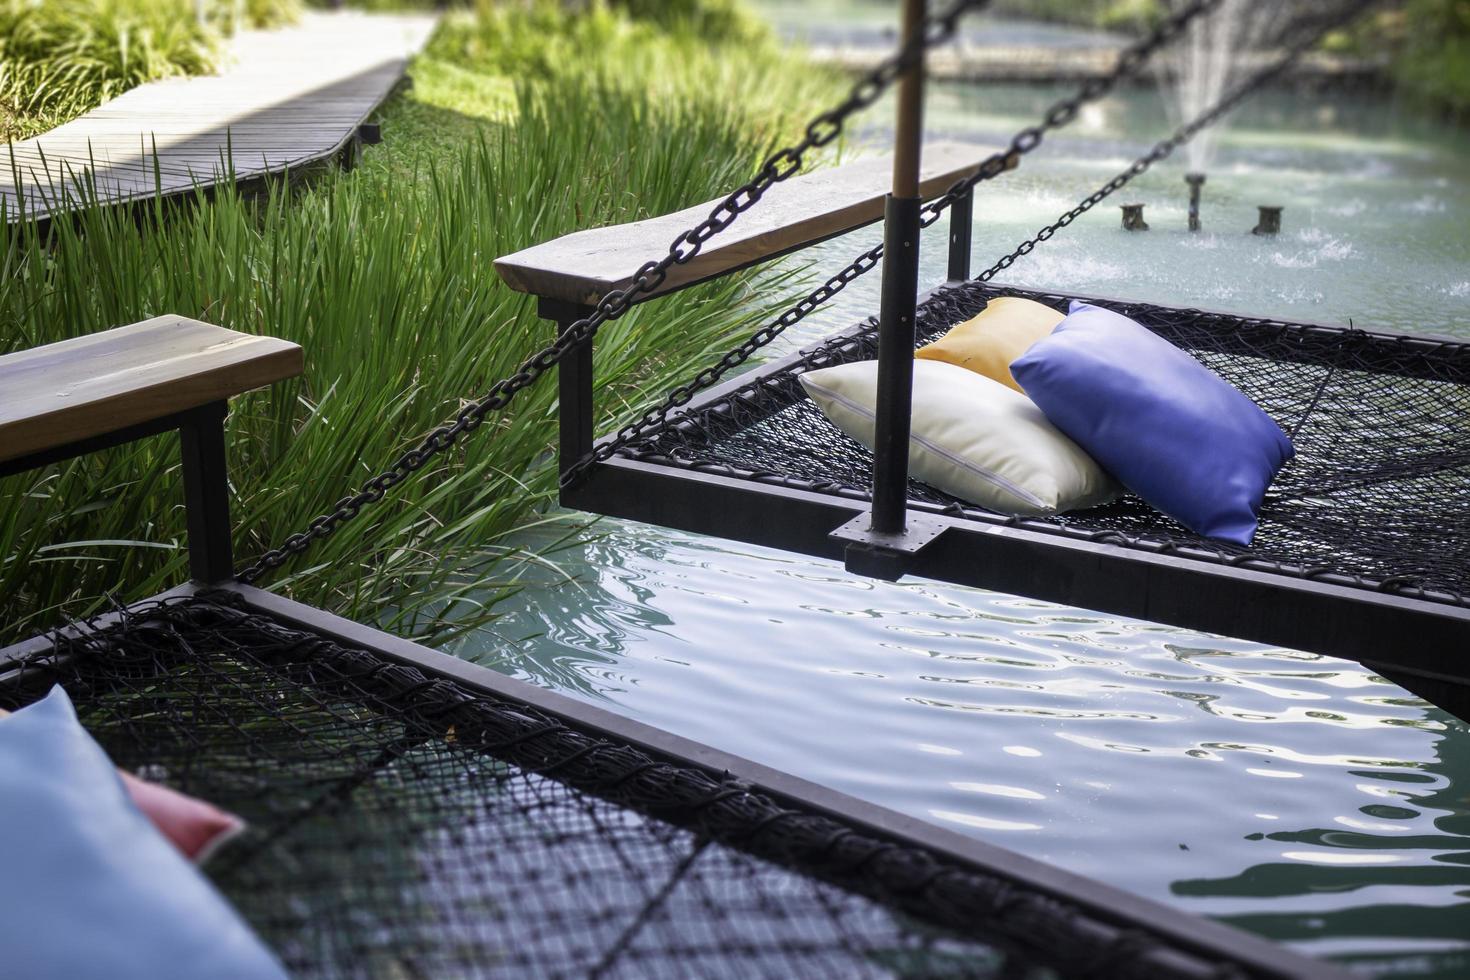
1293, 795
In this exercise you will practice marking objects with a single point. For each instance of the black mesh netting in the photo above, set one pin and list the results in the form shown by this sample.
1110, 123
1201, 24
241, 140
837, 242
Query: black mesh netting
405, 826
1378, 495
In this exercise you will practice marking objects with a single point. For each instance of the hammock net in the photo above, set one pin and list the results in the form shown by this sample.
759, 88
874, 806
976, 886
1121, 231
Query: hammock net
1378, 496
403, 825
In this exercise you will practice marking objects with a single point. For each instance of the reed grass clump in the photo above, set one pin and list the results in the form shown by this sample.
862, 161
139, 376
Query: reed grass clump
384, 276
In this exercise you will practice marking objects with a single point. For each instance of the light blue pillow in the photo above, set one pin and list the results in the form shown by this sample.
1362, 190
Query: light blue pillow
1169, 428
90, 888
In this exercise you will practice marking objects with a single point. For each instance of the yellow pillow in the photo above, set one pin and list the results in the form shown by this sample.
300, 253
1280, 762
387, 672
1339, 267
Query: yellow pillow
988, 343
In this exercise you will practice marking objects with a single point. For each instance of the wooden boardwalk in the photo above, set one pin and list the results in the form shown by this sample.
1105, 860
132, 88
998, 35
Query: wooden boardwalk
284, 99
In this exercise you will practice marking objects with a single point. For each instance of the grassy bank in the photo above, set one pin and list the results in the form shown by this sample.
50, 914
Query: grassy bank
522, 125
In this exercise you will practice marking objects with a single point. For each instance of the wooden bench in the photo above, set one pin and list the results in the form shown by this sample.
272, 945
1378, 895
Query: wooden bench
581, 268
571, 274
169, 373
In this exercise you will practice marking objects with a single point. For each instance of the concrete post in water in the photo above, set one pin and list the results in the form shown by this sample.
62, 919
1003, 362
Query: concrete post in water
1270, 222
1133, 218
1195, 182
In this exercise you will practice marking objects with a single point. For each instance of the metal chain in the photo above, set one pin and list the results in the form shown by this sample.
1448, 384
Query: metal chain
779, 166
1129, 64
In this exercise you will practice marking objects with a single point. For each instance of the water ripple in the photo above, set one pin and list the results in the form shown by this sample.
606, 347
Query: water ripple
1276, 786
1293, 795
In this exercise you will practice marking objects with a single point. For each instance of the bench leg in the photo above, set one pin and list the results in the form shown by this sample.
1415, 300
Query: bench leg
961, 225
207, 493
574, 384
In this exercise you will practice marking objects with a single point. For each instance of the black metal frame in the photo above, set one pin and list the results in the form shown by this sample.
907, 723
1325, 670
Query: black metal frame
896, 332
1419, 644
206, 482
1106, 904
1416, 642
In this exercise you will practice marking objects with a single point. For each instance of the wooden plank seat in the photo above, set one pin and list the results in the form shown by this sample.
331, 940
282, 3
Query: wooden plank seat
582, 267
90, 386
169, 373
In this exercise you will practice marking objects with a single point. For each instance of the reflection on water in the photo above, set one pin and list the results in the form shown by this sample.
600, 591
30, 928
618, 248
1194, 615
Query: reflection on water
1293, 795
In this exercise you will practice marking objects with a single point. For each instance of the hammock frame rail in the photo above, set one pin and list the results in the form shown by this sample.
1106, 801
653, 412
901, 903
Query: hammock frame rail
359, 759
1417, 639
870, 851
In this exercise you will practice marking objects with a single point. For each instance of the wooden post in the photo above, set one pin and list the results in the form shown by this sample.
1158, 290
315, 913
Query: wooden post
908, 131
899, 297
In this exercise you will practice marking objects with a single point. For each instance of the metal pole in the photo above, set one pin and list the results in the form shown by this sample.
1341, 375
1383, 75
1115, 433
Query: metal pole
899, 298
207, 494
576, 407
1195, 182
961, 229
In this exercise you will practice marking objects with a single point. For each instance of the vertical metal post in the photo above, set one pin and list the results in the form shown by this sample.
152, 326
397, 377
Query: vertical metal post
1195, 182
899, 298
961, 230
575, 410
207, 493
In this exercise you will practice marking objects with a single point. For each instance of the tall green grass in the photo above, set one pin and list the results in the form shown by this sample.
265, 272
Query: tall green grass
61, 58
384, 276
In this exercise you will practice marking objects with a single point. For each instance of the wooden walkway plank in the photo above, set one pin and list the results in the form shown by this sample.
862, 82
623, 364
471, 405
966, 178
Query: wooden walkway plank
285, 99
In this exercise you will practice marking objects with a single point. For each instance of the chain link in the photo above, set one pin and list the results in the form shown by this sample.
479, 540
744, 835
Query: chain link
1129, 63
779, 166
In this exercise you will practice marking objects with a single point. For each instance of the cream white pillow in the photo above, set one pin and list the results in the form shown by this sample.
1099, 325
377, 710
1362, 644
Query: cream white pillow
971, 437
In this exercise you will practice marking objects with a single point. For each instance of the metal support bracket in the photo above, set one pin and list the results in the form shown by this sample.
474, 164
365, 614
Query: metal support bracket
207, 493
206, 482
576, 409
884, 555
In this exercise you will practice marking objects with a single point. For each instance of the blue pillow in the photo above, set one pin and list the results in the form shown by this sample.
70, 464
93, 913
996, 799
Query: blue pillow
1169, 428
91, 889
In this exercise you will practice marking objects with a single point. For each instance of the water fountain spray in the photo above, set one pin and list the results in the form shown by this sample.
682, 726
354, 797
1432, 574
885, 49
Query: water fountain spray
1211, 56
1195, 182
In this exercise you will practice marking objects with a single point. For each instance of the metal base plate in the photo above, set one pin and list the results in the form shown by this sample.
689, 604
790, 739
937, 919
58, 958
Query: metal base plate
886, 556
921, 529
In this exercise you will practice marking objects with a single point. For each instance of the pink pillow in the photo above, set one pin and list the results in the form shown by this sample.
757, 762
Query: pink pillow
196, 828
